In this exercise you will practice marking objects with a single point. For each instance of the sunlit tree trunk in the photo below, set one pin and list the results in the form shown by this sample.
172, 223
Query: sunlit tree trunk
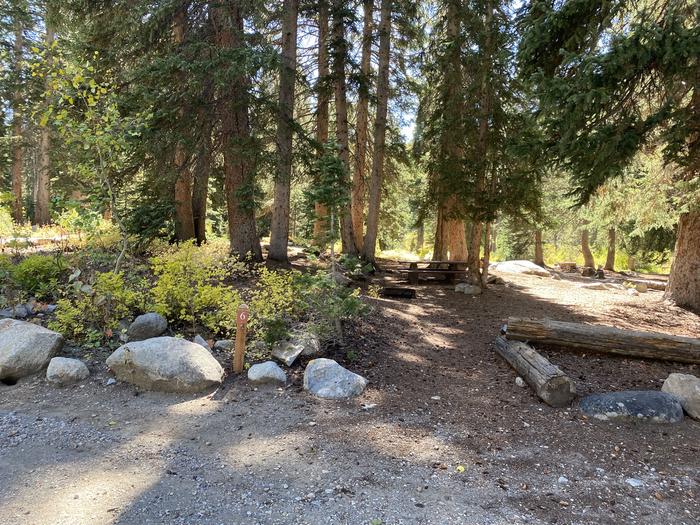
539, 252
684, 282
339, 46
184, 221
17, 137
586, 250
236, 140
610, 260
375, 192
322, 111
279, 234
42, 195
361, 127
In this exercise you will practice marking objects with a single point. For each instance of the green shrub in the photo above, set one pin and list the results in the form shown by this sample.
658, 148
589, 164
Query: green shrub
38, 275
190, 289
92, 311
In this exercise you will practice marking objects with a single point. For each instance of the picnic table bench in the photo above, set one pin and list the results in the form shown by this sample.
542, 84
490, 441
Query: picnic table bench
450, 271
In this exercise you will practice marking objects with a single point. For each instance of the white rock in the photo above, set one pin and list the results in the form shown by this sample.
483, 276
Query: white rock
468, 289
266, 373
632, 292
634, 482
519, 381
686, 388
310, 343
167, 364
286, 352
65, 371
525, 267
147, 326
25, 348
327, 379
563, 480
641, 288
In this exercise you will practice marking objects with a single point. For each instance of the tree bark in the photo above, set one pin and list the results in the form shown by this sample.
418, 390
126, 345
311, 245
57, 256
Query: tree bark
375, 192
605, 339
202, 172
184, 221
341, 117
18, 139
420, 235
684, 282
586, 250
539, 252
439, 243
279, 234
322, 111
236, 139
486, 261
610, 260
361, 128
550, 384
42, 197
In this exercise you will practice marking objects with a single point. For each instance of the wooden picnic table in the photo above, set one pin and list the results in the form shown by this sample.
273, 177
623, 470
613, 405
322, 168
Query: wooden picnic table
449, 270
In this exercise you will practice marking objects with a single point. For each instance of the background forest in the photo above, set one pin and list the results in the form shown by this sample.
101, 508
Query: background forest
467, 130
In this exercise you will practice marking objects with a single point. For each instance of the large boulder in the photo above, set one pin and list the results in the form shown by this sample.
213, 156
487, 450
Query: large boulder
327, 379
686, 388
64, 371
147, 326
524, 267
266, 373
25, 348
167, 364
300, 343
468, 289
650, 405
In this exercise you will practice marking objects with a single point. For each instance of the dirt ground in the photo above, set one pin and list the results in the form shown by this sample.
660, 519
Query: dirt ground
442, 435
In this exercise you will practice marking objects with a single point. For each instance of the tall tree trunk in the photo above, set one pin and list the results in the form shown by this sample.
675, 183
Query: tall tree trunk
684, 283
440, 243
485, 117
375, 192
486, 261
361, 128
279, 234
202, 172
586, 250
341, 116
539, 252
236, 139
453, 238
322, 111
610, 261
184, 221
17, 138
42, 196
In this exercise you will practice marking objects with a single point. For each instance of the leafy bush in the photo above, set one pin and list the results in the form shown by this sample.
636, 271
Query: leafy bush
92, 312
282, 299
38, 275
189, 287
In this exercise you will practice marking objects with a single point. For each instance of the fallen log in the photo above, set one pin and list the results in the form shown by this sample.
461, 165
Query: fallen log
607, 339
548, 381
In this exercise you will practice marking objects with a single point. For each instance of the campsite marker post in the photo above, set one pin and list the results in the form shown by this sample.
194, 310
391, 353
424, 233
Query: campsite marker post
242, 316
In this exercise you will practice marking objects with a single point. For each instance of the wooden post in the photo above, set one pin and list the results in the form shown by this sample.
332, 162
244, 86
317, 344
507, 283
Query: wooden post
241, 331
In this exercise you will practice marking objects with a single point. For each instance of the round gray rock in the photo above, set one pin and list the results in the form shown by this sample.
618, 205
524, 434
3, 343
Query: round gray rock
65, 371
686, 388
266, 373
327, 379
650, 405
167, 364
147, 326
25, 348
